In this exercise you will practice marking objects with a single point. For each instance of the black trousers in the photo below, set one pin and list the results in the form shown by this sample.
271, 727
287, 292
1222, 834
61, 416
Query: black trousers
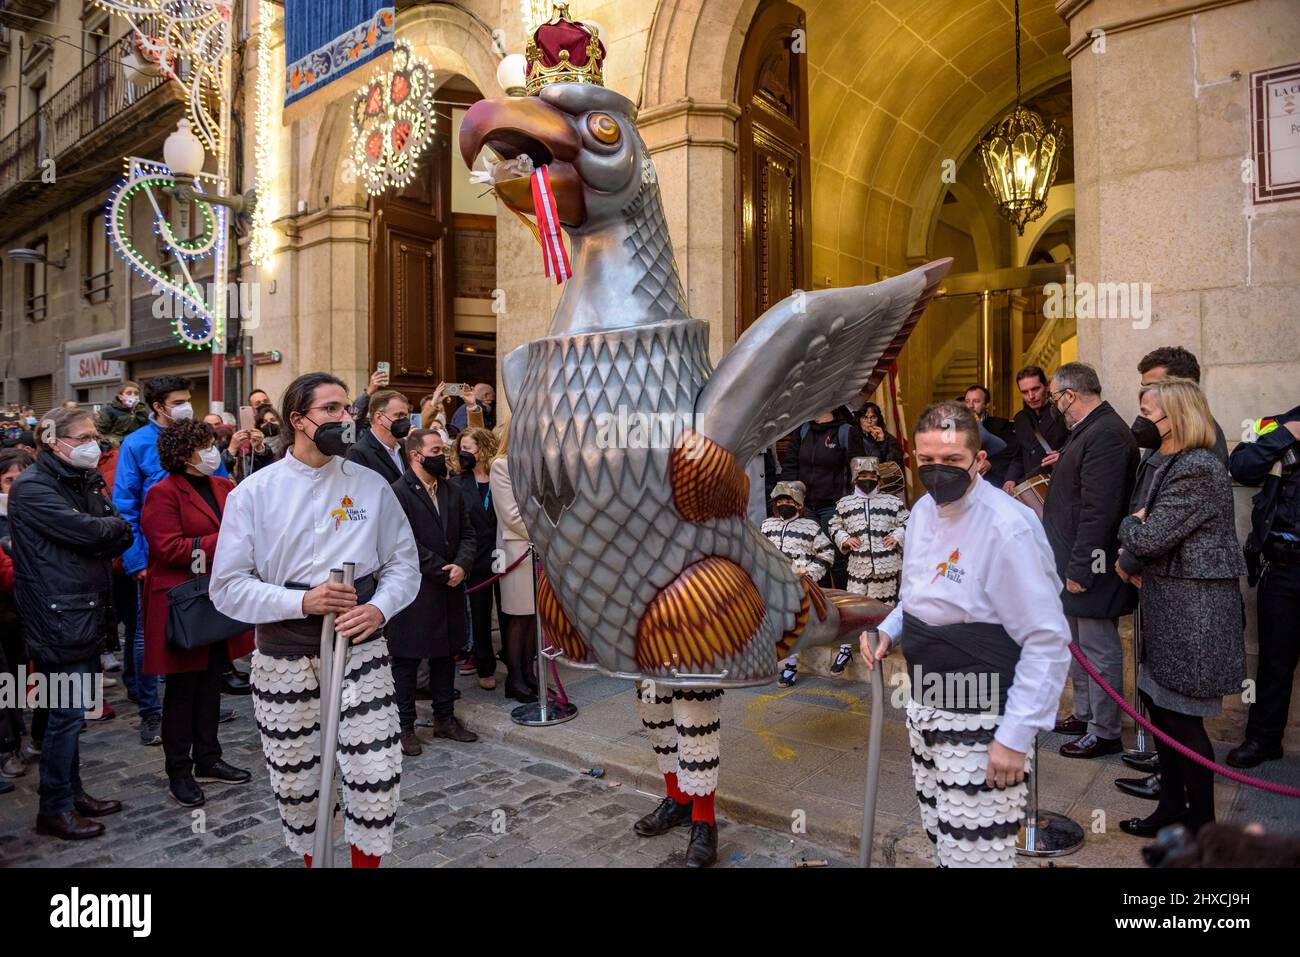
11, 644
519, 648
1186, 788
442, 682
480, 627
838, 574
191, 707
1279, 650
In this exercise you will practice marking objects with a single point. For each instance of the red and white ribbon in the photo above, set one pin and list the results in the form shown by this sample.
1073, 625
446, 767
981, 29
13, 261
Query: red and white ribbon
554, 255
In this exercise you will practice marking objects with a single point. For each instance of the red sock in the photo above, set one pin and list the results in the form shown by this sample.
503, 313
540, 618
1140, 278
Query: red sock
361, 859
306, 859
674, 792
702, 809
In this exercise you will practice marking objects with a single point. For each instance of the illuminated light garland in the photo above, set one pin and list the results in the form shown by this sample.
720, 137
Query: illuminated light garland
205, 327
194, 32
394, 121
262, 240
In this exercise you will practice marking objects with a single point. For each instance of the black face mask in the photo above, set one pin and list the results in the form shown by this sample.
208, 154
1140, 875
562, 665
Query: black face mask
866, 486
270, 429
329, 439
946, 483
435, 465
1146, 433
400, 428
786, 512
467, 462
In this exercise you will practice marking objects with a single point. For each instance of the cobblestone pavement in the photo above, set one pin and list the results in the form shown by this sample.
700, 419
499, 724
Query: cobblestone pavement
477, 805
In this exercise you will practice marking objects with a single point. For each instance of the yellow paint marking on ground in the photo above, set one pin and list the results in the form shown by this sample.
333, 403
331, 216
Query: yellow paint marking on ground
756, 714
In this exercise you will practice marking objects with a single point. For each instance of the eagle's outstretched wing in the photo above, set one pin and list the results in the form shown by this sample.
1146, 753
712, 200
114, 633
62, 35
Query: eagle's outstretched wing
809, 353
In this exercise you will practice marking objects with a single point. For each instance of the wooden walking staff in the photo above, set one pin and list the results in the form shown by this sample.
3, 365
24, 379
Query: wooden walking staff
333, 665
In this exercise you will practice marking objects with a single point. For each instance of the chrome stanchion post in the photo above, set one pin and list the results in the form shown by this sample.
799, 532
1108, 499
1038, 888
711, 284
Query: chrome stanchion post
331, 701
542, 712
873, 760
1139, 754
1045, 833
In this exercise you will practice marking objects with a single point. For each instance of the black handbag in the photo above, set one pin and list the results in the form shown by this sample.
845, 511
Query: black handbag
192, 620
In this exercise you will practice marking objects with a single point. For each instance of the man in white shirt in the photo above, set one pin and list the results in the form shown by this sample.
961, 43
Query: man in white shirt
284, 529
980, 622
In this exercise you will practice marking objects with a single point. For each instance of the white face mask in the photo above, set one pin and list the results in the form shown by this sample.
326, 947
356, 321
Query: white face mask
84, 456
130, 401
4, 503
182, 412
209, 460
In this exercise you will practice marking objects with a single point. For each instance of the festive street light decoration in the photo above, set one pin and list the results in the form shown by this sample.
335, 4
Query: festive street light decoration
200, 318
189, 41
394, 121
262, 237
1020, 155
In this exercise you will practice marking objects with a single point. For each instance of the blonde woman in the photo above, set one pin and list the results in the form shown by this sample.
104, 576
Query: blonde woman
470, 461
519, 629
1180, 548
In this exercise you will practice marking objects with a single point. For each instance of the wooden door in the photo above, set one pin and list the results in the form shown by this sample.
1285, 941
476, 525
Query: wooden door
774, 175
412, 274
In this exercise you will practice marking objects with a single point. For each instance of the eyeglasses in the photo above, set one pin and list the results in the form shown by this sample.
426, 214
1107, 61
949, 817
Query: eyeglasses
1053, 396
81, 439
333, 409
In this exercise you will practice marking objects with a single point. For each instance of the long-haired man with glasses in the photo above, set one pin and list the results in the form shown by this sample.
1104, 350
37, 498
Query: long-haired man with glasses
284, 529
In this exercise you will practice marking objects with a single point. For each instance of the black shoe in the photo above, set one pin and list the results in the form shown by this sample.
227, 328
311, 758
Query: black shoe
1070, 725
1092, 746
232, 682
223, 773
1147, 762
667, 815
1250, 753
186, 792
5, 786
88, 806
523, 696
1147, 788
703, 849
1144, 827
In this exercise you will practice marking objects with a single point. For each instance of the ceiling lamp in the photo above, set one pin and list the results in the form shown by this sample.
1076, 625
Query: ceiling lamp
1020, 156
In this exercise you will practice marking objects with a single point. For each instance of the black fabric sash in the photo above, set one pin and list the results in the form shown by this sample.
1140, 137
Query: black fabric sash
959, 667
299, 637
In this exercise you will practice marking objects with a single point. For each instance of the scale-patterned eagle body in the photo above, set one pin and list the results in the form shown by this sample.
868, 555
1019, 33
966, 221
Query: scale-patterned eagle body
628, 450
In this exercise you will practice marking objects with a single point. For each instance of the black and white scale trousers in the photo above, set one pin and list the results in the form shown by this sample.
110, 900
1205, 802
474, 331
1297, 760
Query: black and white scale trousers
685, 727
286, 704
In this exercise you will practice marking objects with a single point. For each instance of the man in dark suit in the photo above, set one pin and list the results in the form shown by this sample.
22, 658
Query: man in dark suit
1039, 428
432, 626
1092, 480
977, 400
380, 446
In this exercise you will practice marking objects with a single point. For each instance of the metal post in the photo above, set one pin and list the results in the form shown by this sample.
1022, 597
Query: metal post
542, 712
1138, 756
333, 667
873, 760
1045, 833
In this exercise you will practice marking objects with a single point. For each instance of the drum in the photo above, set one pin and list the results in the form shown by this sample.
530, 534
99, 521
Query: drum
1032, 492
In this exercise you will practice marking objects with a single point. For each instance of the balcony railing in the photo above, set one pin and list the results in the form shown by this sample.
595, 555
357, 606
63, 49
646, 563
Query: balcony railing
19, 14
97, 95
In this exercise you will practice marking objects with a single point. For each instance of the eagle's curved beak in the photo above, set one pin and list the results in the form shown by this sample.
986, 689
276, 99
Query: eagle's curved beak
514, 125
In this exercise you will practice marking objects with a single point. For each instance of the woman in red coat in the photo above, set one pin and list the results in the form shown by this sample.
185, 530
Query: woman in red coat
184, 507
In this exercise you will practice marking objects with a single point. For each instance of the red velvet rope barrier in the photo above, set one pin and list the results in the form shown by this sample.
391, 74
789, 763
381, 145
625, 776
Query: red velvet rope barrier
1184, 750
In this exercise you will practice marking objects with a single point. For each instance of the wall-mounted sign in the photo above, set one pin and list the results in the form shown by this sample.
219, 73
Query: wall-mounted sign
90, 368
1275, 132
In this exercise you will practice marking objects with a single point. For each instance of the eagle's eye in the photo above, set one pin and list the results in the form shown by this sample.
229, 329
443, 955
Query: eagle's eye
603, 127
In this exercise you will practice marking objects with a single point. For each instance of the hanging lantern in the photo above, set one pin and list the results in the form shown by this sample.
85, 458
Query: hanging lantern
1020, 156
